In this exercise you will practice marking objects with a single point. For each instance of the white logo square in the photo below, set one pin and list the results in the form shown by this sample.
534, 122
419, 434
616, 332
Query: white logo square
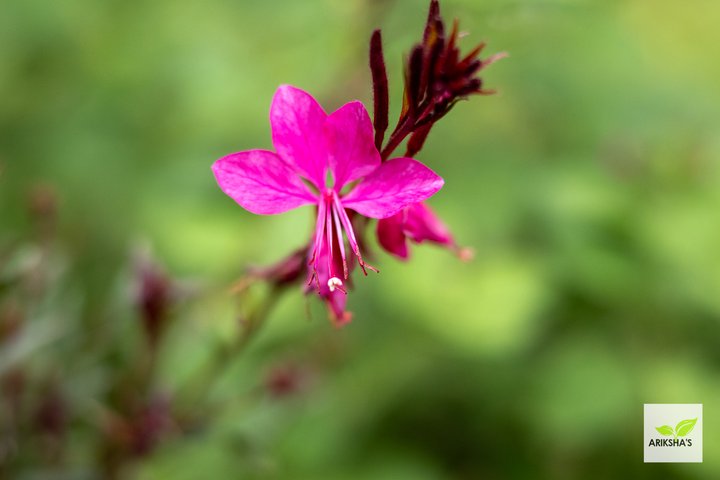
673, 432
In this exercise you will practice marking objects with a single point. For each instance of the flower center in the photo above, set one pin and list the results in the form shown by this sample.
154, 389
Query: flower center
328, 260
329, 180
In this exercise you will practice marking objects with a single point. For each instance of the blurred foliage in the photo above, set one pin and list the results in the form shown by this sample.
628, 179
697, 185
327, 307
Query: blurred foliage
588, 187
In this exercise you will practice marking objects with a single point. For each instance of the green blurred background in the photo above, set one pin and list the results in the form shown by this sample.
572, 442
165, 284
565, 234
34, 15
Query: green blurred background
588, 188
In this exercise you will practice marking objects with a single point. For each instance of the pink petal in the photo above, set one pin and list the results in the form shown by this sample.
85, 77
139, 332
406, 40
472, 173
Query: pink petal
391, 235
351, 144
297, 121
421, 224
391, 187
261, 182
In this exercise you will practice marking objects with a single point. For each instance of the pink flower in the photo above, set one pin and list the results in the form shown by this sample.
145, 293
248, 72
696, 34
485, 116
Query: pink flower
418, 223
329, 161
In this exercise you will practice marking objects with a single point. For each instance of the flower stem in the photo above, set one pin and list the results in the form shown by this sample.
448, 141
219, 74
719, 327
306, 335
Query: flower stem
405, 128
397, 137
207, 376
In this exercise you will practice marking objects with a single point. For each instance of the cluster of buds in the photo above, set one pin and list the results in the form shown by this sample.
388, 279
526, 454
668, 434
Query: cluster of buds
436, 76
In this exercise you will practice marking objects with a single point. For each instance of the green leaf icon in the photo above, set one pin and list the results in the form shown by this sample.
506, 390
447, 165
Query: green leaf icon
665, 430
685, 427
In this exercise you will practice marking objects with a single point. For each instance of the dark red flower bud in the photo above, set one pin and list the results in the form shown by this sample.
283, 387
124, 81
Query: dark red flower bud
284, 381
154, 299
413, 78
287, 271
150, 424
51, 415
381, 99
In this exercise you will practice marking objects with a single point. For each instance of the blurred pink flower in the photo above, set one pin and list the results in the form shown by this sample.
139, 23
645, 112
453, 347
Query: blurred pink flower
329, 161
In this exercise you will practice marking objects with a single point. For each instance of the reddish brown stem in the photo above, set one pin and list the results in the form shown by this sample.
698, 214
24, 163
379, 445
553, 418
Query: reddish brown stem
404, 129
397, 137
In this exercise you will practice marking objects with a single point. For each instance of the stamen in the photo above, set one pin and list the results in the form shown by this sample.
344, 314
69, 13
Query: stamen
332, 220
351, 235
329, 232
336, 283
319, 227
341, 242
